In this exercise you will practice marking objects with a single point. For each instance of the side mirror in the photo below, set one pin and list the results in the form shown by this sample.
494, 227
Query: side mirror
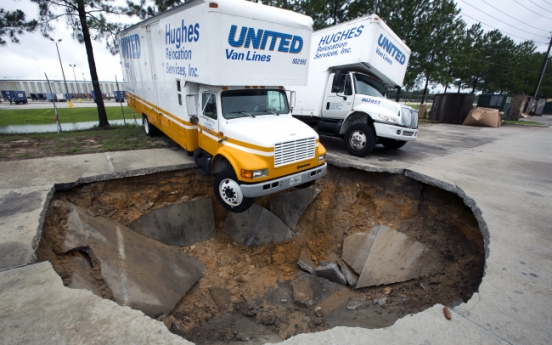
292, 99
191, 104
338, 79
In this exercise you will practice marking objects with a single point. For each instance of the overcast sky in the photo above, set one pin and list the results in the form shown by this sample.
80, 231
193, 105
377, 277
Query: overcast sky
35, 55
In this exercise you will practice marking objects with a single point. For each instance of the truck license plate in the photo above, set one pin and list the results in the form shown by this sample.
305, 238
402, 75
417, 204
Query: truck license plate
295, 180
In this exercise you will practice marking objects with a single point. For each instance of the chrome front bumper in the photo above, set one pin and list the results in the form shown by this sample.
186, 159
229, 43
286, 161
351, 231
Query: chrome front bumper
276, 185
395, 132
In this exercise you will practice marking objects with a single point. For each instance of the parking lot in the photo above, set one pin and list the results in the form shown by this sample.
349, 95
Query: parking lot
502, 174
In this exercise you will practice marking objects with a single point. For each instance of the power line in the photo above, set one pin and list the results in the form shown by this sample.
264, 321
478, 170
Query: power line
523, 38
530, 9
516, 19
499, 19
540, 6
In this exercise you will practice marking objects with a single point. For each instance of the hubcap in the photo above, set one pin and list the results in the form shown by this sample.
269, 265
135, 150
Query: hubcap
357, 140
146, 125
230, 192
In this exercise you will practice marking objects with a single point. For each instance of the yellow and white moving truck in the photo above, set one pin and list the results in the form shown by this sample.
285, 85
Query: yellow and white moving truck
209, 75
351, 67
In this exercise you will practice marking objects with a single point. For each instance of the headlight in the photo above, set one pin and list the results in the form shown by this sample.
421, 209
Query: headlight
321, 157
254, 173
388, 118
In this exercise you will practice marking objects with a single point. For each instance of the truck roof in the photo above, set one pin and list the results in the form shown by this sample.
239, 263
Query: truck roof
241, 8
364, 45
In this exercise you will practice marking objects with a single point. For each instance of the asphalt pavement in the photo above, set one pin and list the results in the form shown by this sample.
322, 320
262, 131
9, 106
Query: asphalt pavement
503, 174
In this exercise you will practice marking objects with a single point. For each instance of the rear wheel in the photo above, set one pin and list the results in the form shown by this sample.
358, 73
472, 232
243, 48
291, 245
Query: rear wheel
360, 139
392, 144
148, 127
228, 192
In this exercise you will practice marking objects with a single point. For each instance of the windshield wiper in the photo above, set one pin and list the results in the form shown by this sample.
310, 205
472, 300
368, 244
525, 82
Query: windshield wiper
243, 112
269, 112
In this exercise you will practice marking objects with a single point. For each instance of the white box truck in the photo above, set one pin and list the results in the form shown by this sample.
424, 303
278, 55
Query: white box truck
351, 67
209, 74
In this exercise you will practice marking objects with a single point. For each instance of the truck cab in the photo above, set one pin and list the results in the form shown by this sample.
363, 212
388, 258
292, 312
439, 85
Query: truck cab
356, 109
249, 141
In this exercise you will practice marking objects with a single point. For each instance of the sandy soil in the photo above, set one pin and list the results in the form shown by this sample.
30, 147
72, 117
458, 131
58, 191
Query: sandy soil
246, 294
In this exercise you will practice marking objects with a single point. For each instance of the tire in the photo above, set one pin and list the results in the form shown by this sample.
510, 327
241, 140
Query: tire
392, 144
150, 129
228, 193
305, 185
360, 139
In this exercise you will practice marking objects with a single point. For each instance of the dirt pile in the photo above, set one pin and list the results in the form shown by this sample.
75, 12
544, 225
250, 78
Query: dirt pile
247, 293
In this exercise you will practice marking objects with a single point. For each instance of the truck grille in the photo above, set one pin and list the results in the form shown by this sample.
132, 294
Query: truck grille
294, 151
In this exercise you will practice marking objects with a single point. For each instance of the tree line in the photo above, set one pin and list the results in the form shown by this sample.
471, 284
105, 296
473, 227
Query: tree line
445, 50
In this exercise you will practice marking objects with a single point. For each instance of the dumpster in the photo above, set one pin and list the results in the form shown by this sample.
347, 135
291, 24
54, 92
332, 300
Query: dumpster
119, 96
15, 96
500, 102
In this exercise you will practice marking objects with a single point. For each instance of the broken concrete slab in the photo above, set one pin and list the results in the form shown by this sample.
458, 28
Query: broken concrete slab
348, 273
22, 212
290, 207
142, 273
306, 263
80, 277
256, 226
180, 224
395, 257
330, 271
356, 248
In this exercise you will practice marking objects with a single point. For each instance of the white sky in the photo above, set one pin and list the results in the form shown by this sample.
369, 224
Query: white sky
35, 55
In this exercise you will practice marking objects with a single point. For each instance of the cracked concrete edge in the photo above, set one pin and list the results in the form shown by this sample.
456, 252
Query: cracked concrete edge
41, 219
468, 201
104, 177
123, 174
341, 162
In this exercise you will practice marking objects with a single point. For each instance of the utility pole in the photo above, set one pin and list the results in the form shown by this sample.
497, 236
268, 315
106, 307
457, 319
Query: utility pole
63, 72
74, 75
542, 69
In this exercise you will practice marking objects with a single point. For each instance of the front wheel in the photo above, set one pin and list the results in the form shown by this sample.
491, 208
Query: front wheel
228, 192
360, 139
392, 144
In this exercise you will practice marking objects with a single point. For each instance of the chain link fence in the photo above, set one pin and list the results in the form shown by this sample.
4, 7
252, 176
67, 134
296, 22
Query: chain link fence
65, 123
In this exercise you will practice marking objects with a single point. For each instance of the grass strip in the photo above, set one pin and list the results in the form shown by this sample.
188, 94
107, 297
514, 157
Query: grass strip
66, 115
117, 138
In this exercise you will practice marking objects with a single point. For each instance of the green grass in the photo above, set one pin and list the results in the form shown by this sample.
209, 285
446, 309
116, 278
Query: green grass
116, 138
66, 115
524, 123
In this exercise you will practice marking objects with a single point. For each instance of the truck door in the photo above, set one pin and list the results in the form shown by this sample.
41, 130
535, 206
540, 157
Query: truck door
153, 32
338, 104
208, 123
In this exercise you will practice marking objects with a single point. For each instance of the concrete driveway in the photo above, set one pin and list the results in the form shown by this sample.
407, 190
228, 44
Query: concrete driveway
504, 174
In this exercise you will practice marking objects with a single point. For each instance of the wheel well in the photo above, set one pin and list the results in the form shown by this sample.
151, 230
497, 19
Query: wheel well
219, 163
353, 118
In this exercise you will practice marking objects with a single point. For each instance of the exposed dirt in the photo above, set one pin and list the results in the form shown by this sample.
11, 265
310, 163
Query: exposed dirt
246, 293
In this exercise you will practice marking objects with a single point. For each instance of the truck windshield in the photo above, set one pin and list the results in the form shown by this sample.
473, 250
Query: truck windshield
366, 85
240, 103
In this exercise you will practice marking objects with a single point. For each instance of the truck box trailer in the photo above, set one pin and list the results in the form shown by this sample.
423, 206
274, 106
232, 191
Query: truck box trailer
351, 67
209, 74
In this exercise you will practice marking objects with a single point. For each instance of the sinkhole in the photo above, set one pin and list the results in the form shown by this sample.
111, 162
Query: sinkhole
356, 249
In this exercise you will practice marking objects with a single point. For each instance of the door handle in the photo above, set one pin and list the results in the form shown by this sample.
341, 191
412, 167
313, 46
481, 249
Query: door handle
328, 106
